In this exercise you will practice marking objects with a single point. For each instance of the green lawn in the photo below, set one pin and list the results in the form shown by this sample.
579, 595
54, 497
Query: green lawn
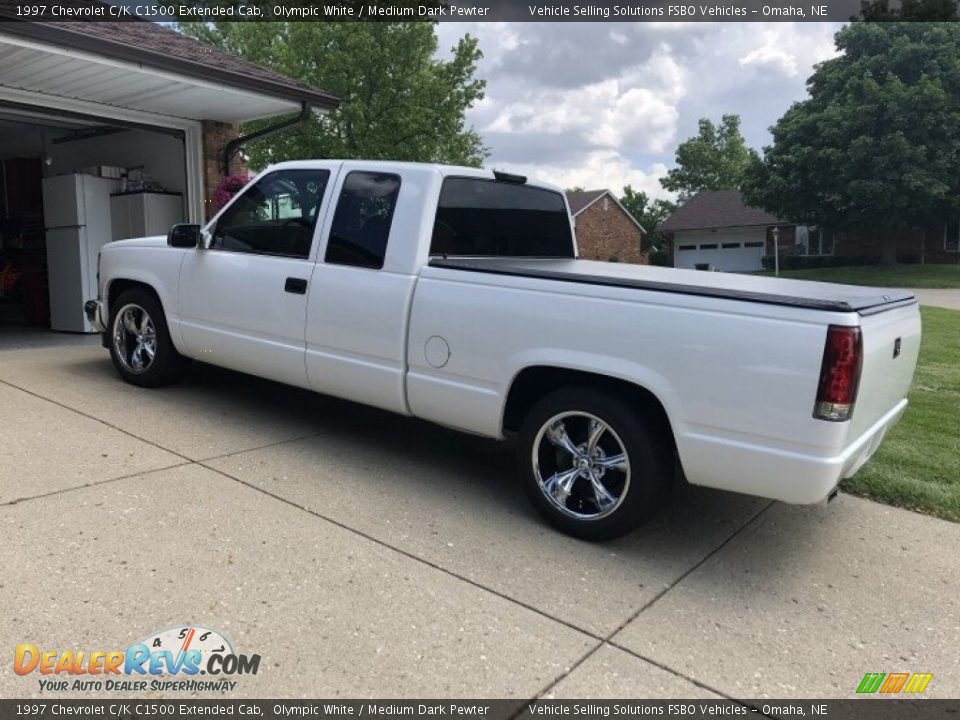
918, 464
906, 276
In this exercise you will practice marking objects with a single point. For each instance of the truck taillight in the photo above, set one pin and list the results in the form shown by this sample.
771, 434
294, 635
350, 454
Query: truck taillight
839, 374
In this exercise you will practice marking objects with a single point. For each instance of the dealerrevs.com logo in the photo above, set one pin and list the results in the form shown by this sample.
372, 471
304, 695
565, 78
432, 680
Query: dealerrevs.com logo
169, 660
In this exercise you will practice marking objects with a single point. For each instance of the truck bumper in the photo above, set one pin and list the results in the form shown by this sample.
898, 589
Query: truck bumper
788, 476
94, 311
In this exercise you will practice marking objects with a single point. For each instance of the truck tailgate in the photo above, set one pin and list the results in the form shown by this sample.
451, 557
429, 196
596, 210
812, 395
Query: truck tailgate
891, 343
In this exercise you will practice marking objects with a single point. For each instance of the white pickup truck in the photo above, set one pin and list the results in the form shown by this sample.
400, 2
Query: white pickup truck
455, 295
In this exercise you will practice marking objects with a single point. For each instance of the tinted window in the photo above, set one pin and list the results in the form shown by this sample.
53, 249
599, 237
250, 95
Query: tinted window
488, 217
361, 224
274, 217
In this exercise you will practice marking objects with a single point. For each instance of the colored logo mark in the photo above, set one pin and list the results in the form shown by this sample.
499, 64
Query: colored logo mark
893, 683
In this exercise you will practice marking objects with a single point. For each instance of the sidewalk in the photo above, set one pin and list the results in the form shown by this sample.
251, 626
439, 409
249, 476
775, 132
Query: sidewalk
949, 299
367, 555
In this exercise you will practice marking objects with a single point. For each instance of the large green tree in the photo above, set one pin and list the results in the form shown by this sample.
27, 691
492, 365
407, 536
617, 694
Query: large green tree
399, 101
716, 158
876, 146
649, 213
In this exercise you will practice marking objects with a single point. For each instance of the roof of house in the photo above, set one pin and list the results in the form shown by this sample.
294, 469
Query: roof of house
580, 199
158, 47
717, 209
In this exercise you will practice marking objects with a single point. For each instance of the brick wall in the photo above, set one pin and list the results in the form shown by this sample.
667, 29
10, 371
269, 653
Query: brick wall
921, 243
216, 135
786, 243
605, 231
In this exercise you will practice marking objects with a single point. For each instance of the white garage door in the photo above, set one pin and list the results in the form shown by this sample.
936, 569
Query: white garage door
727, 250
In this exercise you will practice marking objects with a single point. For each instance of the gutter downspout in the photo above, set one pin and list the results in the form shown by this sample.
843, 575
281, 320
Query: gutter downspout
234, 145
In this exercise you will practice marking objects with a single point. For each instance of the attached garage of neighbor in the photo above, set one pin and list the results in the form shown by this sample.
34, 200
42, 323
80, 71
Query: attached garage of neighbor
728, 249
716, 230
112, 130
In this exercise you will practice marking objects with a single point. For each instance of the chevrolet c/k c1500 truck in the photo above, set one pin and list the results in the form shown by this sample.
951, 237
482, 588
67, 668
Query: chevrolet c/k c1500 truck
455, 295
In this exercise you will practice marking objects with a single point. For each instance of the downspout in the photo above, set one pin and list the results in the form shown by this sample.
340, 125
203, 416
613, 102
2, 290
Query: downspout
234, 145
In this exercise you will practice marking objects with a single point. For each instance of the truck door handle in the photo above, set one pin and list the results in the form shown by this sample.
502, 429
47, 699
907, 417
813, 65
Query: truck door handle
298, 286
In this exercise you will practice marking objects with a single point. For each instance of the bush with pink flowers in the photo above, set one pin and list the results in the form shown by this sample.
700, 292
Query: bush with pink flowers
228, 187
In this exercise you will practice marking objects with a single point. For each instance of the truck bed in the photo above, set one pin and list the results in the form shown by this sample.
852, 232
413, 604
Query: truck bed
749, 288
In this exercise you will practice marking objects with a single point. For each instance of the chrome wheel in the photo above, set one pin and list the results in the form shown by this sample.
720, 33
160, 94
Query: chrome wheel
581, 465
134, 338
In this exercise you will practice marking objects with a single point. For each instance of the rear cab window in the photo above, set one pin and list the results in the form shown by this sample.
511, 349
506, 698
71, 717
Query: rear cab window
480, 217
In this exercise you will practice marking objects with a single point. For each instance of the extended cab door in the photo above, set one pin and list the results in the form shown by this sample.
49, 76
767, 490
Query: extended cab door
243, 300
362, 287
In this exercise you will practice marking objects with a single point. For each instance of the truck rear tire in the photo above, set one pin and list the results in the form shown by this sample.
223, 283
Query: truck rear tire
593, 467
139, 341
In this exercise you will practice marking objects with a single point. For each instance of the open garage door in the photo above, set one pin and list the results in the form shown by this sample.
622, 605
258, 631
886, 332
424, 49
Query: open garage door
69, 183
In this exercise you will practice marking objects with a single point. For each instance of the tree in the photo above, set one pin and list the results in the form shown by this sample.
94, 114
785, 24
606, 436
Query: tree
648, 214
399, 101
876, 146
716, 158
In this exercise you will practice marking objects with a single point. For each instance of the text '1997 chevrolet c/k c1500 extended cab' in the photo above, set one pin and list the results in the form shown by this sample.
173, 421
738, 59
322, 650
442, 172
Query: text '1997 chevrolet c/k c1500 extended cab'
455, 295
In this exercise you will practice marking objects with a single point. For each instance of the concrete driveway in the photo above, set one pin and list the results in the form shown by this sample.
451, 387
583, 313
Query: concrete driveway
367, 555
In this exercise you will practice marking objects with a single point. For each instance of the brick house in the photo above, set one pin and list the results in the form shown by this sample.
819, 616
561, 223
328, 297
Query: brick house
605, 230
718, 230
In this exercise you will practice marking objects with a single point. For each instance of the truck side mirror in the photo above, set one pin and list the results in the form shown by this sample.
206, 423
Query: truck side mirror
184, 236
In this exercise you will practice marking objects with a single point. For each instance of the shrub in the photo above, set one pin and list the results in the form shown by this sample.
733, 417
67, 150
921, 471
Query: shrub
660, 258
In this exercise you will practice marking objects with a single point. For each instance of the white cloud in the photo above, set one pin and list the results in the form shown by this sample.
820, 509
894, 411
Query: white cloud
781, 49
605, 104
595, 170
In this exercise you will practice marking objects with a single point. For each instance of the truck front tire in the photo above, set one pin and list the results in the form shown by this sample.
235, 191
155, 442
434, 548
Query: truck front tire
139, 341
594, 467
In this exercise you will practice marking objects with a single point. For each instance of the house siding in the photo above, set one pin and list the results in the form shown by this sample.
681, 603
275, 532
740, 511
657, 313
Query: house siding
606, 232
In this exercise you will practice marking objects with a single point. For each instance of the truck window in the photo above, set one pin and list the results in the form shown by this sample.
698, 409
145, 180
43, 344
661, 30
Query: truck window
276, 216
361, 224
479, 217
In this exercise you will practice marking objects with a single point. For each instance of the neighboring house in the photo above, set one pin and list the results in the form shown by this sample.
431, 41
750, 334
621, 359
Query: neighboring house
132, 99
717, 230
605, 230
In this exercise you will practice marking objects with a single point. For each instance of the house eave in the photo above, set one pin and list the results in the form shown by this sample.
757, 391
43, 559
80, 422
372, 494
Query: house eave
60, 37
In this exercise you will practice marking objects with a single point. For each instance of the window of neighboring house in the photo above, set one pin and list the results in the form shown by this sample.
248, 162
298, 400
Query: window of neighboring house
606, 204
951, 237
814, 240
276, 216
361, 224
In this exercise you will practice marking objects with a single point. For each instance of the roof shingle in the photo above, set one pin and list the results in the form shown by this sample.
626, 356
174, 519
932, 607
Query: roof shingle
579, 199
717, 209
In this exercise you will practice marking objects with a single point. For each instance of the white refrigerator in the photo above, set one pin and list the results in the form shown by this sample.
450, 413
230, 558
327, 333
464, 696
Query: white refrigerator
76, 213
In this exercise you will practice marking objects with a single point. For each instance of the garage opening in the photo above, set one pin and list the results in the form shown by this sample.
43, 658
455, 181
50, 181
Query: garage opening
68, 185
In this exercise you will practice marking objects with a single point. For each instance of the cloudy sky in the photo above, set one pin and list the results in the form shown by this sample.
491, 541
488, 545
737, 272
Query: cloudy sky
605, 104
